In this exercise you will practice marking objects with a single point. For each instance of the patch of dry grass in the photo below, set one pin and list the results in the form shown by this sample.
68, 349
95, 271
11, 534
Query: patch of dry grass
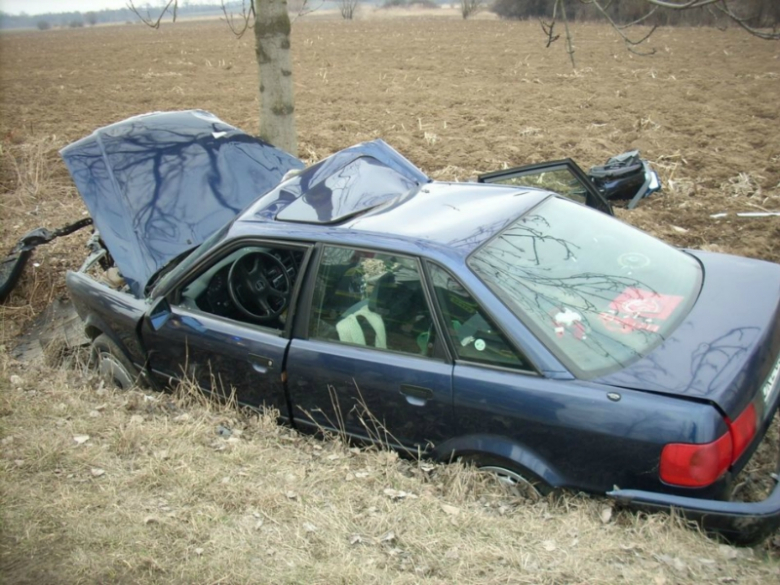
103, 486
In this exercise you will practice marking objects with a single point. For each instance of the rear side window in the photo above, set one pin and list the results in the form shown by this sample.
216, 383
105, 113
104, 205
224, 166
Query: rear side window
474, 335
371, 299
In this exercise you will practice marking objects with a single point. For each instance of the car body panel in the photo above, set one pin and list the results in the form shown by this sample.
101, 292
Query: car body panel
226, 358
159, 184
343, 172
572, 425
109, 311
366, 392
728, 342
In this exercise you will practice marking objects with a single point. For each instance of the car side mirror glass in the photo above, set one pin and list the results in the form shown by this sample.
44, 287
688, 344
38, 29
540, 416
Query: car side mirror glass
160, 313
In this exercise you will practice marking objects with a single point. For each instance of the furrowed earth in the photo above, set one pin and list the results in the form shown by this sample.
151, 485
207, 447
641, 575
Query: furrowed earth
156, 494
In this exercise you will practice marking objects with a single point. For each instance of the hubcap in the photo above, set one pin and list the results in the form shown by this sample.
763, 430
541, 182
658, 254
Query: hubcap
111, 370
515, 482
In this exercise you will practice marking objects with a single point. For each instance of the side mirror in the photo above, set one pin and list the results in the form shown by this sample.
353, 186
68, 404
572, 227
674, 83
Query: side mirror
159, 314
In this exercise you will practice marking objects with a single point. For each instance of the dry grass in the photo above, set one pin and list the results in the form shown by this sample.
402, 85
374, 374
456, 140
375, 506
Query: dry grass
149, 488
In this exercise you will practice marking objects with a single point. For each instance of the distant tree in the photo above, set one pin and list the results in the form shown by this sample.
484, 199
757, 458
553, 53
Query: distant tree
759, 18
347, 8
76, 23
522, 9
43, 24
470, 7
91, 18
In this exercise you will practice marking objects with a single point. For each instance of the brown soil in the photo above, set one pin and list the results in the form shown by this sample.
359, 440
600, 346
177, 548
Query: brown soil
455, 97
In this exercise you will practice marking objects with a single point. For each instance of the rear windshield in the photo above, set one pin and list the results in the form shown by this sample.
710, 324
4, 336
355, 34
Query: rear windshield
597, 292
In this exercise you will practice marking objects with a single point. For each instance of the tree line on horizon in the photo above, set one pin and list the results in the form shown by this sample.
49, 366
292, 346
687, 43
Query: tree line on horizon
758, 13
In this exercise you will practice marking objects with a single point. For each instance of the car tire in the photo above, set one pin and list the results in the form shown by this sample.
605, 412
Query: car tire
517, 478
111, 364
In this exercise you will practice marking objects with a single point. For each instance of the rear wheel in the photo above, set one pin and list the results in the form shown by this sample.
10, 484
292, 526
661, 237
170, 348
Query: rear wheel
516, 478
111, 364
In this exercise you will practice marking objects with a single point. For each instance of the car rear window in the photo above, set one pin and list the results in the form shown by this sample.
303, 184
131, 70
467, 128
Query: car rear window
598, 293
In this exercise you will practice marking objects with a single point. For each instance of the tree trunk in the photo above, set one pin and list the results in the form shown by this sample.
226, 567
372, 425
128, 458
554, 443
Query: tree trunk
277, 104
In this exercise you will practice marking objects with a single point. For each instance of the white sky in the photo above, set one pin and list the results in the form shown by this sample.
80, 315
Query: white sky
32, 7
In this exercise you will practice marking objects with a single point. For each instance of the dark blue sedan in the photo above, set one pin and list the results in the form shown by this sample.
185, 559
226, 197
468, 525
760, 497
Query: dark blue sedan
508, 326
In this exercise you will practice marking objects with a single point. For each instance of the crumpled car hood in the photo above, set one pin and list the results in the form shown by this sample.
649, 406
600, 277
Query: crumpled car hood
159, 184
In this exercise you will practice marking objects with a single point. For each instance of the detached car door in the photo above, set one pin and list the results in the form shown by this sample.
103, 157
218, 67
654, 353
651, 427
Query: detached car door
226, 325
369, 360
564, 177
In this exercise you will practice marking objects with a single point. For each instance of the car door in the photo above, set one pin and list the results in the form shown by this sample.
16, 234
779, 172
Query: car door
369, 361
224, 330
564, 177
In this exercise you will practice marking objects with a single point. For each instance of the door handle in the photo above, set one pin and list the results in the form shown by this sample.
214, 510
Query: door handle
416, 395
260, 363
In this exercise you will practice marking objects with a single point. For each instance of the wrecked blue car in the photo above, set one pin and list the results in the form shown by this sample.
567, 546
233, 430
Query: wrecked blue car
504, 325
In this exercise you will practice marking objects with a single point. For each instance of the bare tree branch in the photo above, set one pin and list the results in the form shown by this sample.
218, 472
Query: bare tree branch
307, 9
630, 43
569, 43
148, 20
247, 17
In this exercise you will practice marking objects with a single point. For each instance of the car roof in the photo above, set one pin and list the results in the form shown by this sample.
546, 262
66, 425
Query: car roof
457, 217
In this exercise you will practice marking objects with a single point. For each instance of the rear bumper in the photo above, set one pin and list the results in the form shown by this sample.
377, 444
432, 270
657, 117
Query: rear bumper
738, 522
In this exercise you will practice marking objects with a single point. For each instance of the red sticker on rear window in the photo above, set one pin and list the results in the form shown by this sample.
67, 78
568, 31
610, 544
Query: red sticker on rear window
636, 309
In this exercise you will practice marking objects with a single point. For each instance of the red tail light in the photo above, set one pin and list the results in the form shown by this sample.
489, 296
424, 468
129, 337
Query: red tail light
699, 465
695, 465
742, 430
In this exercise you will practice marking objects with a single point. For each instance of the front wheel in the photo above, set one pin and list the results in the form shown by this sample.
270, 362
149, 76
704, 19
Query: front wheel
111, 363
517, 479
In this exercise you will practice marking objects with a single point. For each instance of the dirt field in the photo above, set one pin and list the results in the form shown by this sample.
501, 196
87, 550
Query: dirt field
457, 98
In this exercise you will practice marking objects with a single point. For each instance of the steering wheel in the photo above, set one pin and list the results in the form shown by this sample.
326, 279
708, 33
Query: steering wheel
259, 286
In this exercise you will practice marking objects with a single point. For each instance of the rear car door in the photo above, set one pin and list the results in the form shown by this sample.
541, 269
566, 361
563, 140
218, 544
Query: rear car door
564, 177
370, 361
226, 327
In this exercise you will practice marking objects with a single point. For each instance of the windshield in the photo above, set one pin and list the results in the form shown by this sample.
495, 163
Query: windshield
597, 292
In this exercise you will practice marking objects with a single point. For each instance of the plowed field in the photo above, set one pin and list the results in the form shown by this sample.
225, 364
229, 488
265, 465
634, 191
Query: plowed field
455, 97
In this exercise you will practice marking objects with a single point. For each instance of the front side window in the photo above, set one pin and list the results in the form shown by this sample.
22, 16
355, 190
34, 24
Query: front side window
252, 284
597, 292
371, 299
473, 334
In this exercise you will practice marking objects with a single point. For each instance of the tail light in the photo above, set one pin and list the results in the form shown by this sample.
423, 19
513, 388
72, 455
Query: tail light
699, 465
742, 430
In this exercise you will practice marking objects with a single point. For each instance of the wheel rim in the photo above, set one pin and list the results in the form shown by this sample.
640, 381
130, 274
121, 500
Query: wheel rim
513, 481
112, 370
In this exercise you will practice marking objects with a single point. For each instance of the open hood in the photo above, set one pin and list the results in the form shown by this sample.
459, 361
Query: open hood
159, 184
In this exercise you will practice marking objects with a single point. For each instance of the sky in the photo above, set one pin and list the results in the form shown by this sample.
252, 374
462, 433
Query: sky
42, 6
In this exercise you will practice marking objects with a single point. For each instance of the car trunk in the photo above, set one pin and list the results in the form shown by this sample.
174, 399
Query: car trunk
734, 330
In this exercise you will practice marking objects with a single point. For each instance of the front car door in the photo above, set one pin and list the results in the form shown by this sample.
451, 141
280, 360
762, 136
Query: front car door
370, 360
226, 326
564, 177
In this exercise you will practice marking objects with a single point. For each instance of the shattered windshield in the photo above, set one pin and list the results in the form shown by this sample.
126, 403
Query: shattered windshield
598, 293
